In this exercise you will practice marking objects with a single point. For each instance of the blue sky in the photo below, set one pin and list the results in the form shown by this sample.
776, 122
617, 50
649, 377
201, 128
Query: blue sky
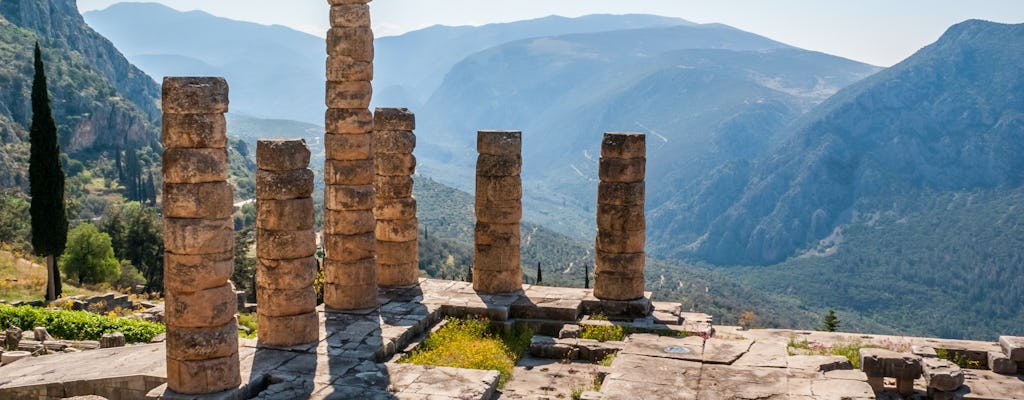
880, 32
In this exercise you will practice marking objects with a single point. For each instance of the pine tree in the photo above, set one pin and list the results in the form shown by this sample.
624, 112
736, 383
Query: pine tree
540, 274
831, 322
46, 182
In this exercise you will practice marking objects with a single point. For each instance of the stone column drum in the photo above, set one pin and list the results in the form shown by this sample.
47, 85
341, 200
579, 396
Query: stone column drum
285, 244
202, 333
499, 192
350, 266
619, 256
397, 227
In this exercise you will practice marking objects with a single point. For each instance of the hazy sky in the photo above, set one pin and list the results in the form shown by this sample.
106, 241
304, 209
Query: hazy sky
880, 32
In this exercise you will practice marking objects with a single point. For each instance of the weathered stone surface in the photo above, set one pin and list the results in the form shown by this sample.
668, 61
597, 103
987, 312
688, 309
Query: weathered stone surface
286, 274
349, 121
181, 165
395, 275
354, 222
284, 185
201, 309
345, 69
285, 245
504, 235
487, 281
551, 348
353, 94
393, 141
211, 200
621, 218
397, 230
500, 143
203, 376
941, 374
395, 208
353, 42
348, 172
394, 119
285, 302
395, 164
198, 236
286, 331
489, 213
340, 197
350, 297
355, 273
492, 165
498, 188
349, 248
1001, 364
1013, 347
885, 363
350, 15
397, 252
624, 145
113, 339
619, 262
609, 285
187, 273
354, 146
193, 344
194, 130
621, 194
496, 258
194, 95
341, 2
284, 215
282, 154
620, 241
622, 170
393, 187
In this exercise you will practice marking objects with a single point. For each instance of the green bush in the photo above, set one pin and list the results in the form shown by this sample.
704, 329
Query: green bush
472, 343
78, 325
602, 333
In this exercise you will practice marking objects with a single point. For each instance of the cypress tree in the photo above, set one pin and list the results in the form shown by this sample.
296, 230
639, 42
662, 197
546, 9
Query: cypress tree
586, 276
540, 274
46, 182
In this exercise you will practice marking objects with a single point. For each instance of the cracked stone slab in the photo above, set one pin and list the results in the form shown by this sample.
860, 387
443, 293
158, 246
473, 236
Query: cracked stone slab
721, 351
764, 354
690, 348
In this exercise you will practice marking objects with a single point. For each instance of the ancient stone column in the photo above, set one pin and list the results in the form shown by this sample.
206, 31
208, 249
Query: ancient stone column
350, 266
285, 244
499, 193
619, 256
397, 228
202, 333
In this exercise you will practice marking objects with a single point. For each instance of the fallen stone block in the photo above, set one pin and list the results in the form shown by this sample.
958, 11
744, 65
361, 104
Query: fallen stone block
1013, 347
569, 331
880, 363
551, 348
942, 375
1001, 364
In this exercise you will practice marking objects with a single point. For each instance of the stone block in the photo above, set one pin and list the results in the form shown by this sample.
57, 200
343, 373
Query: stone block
194, 344
111, 340
498, 188
396, 275
285, 302
355, 222
1001, 364
397, 230
340, 2
488, 212
569, 331
393, 141
621, 194
282, 154
503, 235
393, 187
621, 218
619, 262
352, 121
395, 164
350, 15
342, 197
194, 95
284, 185
194, 131
284, 215
621, 286
395, 208
349, 146
397, 252
394, 119
496, 258
286, 274
181, 165
353, 42
492, 165
941, 374
348, 172
550, 348
594, 351
187, 273
885, 363
287, 331
624, 145
350, 248
620, 241
622, 170
210, 200
198, 236
1013, 347
353, 94
285, 245
500, 143
203, 376
350, 297
201, 309
355, 273
346, 69
487, 281
923, 351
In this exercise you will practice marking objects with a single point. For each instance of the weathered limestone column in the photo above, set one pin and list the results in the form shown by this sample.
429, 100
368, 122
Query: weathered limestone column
499, 193
202, 334
397, 227
285, 244
619, 256
350, 268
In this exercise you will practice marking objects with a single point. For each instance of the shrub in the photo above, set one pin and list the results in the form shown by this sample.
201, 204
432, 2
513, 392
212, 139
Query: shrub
471, 343
602, 333
248, 321
78, 325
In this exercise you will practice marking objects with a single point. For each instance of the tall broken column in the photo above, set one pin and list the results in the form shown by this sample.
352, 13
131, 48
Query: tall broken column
619, 256
499, 193
285, 244
350, 266
397, 227
202, 333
